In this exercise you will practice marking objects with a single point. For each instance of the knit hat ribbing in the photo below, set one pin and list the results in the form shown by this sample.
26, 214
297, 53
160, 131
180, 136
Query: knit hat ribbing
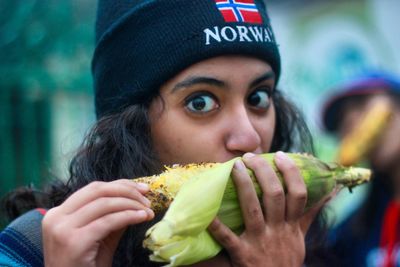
142, 44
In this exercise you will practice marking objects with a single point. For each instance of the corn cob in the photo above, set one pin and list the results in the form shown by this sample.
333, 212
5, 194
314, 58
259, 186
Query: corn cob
363, 137
194, 194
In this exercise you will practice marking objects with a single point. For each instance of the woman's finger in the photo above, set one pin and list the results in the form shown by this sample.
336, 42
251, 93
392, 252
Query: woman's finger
249, 204
273, 197
310, 214
141, 187
103, 206
115, 221
296, 196
223, 235
118, 188
96, 233
106, 252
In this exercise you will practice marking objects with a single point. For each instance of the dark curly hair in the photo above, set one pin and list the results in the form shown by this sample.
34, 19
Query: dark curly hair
120, 146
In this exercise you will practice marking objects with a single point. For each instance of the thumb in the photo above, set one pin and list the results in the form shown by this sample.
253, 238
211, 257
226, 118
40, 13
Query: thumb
310, 214
108, 247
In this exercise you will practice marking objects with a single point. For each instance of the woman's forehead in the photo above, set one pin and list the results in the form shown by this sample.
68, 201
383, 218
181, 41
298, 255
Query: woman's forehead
226, 68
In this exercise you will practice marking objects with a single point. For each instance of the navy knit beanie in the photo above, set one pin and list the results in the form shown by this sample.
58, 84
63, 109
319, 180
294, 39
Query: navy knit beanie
141, 44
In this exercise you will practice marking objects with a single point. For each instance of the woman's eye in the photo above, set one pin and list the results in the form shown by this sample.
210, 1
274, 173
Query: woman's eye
202, 103
259, 99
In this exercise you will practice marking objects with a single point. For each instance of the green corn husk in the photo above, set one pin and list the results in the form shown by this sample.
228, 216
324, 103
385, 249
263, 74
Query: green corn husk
181, 237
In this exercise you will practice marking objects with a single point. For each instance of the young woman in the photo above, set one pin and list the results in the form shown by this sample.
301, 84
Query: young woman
369, 236
179, 82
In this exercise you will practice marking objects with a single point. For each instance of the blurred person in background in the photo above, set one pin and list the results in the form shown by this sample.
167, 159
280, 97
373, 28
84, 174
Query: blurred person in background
364, 114
175, 82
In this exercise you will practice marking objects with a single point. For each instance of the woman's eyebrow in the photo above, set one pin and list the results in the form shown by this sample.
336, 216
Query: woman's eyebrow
198, 80
266, 76
193, 80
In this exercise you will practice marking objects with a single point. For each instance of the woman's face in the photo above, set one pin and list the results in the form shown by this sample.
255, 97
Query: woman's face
214, 110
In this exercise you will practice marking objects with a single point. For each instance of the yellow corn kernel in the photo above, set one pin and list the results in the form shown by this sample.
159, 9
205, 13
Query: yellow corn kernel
195, 194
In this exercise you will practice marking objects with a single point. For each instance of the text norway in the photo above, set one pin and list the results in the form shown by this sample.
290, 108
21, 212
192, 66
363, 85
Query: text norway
231, 34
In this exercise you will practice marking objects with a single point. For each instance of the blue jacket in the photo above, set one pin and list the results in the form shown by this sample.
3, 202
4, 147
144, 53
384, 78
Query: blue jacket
354, 249
21, 241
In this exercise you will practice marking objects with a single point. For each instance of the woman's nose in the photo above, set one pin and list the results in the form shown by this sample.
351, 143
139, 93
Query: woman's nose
242, 136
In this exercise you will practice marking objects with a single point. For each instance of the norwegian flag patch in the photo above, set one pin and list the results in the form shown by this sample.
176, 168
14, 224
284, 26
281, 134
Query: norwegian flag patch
239, 11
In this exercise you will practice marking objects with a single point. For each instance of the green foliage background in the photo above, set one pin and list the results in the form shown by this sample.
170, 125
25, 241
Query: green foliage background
46, 44
45, 51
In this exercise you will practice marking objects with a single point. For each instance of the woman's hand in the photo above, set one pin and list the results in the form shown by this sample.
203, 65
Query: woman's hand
86, 228
275, 229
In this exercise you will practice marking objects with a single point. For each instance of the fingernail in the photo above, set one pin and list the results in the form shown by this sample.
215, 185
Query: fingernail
282, 156
150, 212
214, 225
143, 186
146, 202
141, 213
248, 155
239, 165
